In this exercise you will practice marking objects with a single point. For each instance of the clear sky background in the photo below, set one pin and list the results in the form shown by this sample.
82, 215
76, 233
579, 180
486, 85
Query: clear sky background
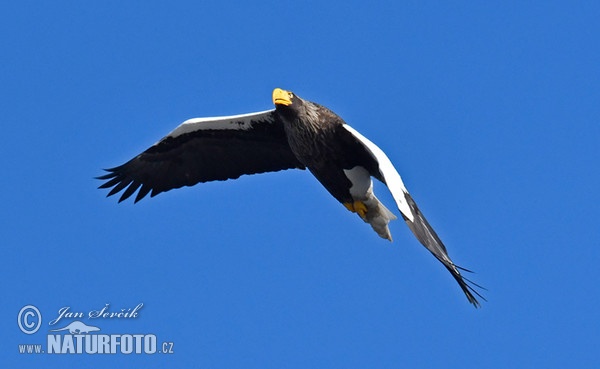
490, 111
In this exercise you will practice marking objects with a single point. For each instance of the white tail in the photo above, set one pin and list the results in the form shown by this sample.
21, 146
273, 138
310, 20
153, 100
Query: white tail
378, 216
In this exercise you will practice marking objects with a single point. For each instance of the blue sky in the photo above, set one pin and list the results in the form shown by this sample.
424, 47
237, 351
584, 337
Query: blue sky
489, 111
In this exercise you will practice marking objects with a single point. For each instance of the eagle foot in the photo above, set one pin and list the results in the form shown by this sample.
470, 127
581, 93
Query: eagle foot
358, 207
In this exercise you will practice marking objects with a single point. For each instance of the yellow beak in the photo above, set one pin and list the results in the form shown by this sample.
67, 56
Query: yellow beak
282, 97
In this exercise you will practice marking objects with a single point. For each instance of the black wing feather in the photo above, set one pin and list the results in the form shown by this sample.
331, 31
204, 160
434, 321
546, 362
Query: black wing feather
426, 235
372, 158
204, 155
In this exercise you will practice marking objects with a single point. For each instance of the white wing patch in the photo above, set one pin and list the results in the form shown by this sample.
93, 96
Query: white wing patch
362, 185
388, 172
236, 122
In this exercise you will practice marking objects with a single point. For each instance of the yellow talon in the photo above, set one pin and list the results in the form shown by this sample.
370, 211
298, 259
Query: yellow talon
361, 209
357, 207
349, 206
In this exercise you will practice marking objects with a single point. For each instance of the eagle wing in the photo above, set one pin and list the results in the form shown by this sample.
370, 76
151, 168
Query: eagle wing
415, 220
203, 150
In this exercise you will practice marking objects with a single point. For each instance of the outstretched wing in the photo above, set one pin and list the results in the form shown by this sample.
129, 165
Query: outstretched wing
412, 215
202, 150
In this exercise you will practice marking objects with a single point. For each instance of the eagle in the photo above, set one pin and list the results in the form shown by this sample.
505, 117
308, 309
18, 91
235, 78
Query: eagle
296, 134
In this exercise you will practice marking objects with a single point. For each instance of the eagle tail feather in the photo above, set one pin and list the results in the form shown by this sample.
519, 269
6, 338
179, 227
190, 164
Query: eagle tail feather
378, 216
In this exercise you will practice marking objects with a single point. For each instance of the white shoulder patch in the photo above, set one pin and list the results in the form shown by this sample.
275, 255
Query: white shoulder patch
236, 122
388, 172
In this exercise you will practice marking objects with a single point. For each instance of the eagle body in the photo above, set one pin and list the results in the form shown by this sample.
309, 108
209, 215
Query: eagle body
343, 166
318, 148
297, 134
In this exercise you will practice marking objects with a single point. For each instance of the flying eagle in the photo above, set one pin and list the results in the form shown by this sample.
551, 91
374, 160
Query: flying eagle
297, 134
